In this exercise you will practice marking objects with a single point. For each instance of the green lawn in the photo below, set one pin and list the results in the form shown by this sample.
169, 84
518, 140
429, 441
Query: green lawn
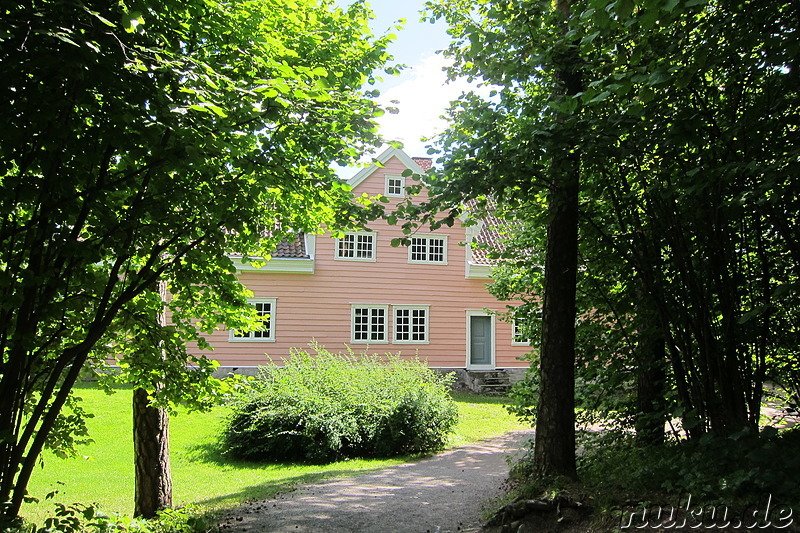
104, 472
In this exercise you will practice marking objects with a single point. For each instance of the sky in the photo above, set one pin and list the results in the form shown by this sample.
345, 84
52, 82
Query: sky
421, 88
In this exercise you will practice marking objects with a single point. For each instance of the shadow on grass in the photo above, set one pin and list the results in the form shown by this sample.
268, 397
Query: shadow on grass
474, 397
211, 453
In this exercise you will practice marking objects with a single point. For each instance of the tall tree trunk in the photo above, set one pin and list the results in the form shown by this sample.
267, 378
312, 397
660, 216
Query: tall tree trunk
554, 447
151, 455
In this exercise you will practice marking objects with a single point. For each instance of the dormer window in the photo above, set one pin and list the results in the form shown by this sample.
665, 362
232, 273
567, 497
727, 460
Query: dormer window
395, 186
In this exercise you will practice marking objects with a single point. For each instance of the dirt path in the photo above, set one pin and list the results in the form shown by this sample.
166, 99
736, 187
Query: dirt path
440, 494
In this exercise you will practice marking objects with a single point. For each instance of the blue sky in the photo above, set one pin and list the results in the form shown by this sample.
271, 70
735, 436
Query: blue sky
421, 88
417, 40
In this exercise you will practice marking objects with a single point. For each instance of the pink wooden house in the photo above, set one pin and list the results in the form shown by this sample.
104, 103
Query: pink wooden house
427, 300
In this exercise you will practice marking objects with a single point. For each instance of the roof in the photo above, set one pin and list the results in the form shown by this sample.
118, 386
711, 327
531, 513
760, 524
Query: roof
488, 236
295, 249
488, 240
425, 163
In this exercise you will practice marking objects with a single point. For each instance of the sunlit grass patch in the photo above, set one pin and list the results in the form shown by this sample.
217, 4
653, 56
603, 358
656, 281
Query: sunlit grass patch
103, 474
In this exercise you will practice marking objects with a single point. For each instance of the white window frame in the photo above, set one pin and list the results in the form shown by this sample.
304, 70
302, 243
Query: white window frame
387, 190
250, 336
427, 239
371, 308
356, 235
426, 324
515, 336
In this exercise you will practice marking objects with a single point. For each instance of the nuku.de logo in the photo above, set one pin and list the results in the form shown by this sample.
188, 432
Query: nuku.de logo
766, 514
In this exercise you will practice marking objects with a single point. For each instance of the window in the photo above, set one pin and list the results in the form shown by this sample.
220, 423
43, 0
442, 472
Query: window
428, 250
356, 246
395, 186
265, 307
410, 324
369, 323
518, 338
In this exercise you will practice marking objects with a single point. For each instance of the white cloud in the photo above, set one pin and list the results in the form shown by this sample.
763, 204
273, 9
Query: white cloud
423, 96
422, 100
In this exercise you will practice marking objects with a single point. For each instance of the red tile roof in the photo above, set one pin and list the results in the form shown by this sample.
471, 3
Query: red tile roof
425, 163
488, 240
295, 249
490, 237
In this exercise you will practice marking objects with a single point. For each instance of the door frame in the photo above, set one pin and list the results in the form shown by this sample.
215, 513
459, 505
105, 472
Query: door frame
470, 314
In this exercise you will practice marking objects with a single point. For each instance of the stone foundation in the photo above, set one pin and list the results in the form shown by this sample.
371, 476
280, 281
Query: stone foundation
497, 381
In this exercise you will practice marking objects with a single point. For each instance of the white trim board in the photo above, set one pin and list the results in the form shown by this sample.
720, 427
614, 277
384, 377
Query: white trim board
383, 158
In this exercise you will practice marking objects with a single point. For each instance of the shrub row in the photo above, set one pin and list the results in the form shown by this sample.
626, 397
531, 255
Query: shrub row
737, 469
327, 407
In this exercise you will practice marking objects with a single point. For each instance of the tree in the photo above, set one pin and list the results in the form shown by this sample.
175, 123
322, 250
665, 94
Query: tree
141, 143
677, 115
688, 189
152, 470
685, 132
528, 52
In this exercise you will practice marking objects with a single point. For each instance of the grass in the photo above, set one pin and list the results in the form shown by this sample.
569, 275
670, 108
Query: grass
103, 473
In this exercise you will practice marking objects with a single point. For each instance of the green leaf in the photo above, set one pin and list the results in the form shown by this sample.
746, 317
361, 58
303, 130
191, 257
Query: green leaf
590, 38
670, 5
217, 110
136, 186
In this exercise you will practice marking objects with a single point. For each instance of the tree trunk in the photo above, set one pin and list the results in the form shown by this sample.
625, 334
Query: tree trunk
151, 455
151, 444
650, 385
554, 447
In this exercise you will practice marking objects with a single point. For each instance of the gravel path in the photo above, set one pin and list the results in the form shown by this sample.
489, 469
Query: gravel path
440, 494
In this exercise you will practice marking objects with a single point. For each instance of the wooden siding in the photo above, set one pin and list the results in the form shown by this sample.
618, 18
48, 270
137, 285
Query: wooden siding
318, 306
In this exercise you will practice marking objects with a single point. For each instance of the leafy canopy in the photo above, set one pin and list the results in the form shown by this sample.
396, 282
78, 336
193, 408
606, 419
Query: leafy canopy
142, 141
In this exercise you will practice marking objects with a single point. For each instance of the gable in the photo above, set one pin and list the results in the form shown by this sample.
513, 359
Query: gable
374, 171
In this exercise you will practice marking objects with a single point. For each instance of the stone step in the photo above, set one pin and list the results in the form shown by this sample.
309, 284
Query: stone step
494, 389
490, 381
495, 380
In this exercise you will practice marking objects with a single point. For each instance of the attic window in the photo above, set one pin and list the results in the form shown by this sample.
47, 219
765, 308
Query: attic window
395, 186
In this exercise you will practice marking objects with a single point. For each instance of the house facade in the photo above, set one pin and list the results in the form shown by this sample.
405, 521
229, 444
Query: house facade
427, 300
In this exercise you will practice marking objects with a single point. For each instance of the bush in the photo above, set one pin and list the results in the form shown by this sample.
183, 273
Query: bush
80, 518
740, 468
328, 407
